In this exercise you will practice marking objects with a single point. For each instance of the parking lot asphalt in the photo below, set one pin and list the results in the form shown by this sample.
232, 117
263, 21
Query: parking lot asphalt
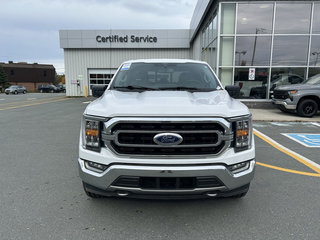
42, 197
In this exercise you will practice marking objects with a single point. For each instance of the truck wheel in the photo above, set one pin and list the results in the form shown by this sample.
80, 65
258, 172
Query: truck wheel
41, 90
51, 91
307, 108
90, 194
24, 92
15, 92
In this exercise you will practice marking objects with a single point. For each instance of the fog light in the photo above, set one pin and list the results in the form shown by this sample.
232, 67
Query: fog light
239, 167
96, 167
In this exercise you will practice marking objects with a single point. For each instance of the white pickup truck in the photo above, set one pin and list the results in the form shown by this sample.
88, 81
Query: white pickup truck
166, 128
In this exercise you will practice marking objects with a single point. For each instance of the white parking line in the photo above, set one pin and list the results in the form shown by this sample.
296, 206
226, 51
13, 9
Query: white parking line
2, 99
86, 102
316, 124
311, 164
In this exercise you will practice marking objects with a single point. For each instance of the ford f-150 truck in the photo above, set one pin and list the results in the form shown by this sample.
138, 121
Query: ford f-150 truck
166, 128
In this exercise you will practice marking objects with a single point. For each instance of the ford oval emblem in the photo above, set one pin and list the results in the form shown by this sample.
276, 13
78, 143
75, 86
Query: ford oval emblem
167, 139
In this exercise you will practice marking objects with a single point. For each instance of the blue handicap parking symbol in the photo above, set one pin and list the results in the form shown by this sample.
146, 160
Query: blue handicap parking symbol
306, 139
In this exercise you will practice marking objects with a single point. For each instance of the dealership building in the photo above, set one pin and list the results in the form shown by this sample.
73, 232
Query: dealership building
256, 45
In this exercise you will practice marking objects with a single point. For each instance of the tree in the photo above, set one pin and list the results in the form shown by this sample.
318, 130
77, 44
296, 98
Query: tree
60, 79
3, 78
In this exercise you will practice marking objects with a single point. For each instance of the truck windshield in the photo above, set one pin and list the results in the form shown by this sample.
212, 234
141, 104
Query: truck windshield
313, 80
165, 76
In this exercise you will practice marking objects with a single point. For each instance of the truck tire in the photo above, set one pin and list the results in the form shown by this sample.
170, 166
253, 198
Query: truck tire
24, 92
307, 108
41, 90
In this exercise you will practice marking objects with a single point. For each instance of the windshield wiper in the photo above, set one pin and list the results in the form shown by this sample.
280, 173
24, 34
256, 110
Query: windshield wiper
134, 87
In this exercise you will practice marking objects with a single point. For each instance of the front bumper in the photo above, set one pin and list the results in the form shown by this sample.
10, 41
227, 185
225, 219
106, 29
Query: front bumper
102, 183
286, 104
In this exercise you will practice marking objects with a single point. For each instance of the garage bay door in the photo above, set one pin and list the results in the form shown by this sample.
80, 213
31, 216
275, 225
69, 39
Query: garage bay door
100, 77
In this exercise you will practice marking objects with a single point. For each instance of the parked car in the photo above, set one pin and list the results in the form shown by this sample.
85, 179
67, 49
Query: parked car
166, 128
61, 87
48, 88
303, 98
15, 89
277, 80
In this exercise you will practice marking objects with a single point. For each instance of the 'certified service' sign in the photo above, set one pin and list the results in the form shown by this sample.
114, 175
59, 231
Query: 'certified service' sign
126, 38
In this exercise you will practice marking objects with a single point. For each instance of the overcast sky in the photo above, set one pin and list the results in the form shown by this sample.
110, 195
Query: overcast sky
29, 28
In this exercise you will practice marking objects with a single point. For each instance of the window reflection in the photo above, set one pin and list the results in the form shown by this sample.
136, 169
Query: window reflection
256, 88
286, 76
314, 71
316, 19
254, 18
292, 18
253, 51
315, 51
290, 50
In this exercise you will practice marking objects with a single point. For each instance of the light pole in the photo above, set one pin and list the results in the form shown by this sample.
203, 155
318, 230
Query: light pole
317, 58
258, 30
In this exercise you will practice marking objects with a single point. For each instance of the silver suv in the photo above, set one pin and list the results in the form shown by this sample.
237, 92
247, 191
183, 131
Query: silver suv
166, 129
303, 98
15, 89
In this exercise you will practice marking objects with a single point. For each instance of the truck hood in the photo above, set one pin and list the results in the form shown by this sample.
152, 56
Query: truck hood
296, 87
166, 103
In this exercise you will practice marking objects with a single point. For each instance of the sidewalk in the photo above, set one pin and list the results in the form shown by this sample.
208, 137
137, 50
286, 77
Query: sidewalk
275, 115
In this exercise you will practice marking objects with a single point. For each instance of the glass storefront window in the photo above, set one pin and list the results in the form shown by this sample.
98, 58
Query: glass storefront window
292, 18
316, 19
315, 51
254, 86
226, 51
225, 76
228, 13
290, 50
253, 51
286, 76
313, 71
210, 32
214, 27
212, 51
254, 18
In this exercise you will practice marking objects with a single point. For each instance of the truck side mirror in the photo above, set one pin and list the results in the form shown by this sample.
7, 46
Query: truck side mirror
97, 91
234, 91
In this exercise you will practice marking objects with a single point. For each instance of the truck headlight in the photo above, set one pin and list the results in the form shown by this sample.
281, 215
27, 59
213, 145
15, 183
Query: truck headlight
242, 134
91, 132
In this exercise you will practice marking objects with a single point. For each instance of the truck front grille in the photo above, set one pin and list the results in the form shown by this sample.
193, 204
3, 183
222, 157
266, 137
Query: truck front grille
137, 138
280, 94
